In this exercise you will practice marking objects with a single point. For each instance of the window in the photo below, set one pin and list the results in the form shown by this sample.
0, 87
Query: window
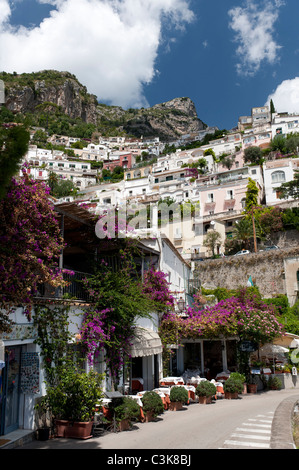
278, 177
210, 197
229, 194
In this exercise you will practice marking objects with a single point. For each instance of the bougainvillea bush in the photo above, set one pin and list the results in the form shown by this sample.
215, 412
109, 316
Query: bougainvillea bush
243, 315
118, 299
30, 243
156, 286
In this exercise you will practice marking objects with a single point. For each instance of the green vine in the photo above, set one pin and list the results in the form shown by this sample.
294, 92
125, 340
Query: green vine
53, 337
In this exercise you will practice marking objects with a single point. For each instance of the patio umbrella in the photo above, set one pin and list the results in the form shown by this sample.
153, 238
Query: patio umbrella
272, 349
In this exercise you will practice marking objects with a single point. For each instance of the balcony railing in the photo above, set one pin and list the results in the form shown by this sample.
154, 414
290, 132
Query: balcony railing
74, 291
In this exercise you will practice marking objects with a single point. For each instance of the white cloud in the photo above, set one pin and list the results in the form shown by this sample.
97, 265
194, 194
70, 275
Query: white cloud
254, 28
286, 96
110, 45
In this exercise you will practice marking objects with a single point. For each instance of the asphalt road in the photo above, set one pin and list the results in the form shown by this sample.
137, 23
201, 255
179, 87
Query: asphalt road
244, 423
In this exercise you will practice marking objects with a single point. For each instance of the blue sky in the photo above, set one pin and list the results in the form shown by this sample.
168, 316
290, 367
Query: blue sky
227, 56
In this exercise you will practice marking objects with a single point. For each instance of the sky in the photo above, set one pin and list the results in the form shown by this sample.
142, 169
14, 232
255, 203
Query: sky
227, 56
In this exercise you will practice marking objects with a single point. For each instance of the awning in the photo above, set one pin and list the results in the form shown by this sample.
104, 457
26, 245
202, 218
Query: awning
146, 342
294, 343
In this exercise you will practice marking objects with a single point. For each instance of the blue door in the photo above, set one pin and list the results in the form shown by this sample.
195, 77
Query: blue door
10, 390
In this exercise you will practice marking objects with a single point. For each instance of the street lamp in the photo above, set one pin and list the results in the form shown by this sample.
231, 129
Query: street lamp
181, 305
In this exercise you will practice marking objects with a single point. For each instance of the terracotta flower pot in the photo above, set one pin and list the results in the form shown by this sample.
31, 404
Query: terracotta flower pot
251, 388
61, 426
231, 395
149, 416
175, 405
124, 425
79, 430
204, 400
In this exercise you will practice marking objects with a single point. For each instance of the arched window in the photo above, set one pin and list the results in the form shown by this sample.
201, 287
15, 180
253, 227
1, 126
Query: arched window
278, 177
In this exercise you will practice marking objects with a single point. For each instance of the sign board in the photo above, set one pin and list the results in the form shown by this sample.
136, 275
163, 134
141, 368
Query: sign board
113, 395
248, 346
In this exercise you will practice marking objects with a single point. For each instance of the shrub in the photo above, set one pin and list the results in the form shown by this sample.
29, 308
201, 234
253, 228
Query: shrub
238, 376
205, 389
274, 383
152, 402
232, 385
179, 394
125, 408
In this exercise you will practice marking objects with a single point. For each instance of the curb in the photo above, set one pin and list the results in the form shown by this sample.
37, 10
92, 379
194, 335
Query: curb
282, 432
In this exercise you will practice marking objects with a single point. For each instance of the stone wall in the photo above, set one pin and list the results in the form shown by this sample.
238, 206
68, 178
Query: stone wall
274, 272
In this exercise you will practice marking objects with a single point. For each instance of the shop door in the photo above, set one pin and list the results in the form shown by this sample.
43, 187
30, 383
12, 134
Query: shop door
11, 390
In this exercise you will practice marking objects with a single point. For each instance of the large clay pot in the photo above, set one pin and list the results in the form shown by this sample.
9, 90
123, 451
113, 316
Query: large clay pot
231, 395
61, 426
175, 405
204, 400
79, 430
251, 388
124, 425
149, 416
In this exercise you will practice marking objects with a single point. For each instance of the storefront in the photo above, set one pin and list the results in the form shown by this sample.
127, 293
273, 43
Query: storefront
207, 357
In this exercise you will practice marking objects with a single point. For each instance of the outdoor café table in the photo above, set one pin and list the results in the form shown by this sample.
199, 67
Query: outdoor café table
167, 381
191, 391
164, 393
105, 407
139, 401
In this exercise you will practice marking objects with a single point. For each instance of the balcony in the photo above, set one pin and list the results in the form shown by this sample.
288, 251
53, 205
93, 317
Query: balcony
74, 291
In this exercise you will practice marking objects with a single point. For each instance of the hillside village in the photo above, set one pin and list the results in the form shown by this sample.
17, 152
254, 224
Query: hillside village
128, 175
214, 176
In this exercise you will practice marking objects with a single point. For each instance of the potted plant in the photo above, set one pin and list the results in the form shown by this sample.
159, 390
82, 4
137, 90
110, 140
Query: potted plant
73, 402
251, 383
205, 390
43, 417
152, 405
274, 383
178, 396
242, 378
124, 410
232, 387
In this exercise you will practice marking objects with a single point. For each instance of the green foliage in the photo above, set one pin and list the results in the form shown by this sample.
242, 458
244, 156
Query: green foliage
233, 385
253, 155
124, 408
178, 393
238, 376
290, 218
53, 337
76, 396
291, 188
152, 402
13, 146
212, 239
251, 198
206, 389
61, 187
274, 383
280, 302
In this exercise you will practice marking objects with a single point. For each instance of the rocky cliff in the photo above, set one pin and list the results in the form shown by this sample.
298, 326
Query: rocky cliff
27, 93
32, 93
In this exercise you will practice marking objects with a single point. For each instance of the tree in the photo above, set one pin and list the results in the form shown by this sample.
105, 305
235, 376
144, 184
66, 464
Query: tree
212, 239
253, 155
243, 232
290, 189
13, 146
30, 245
251, 198
278, 143
272, 107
